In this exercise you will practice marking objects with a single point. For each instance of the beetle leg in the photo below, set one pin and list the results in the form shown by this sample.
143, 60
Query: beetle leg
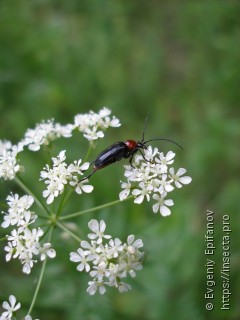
130, 161
144, 156
88, 176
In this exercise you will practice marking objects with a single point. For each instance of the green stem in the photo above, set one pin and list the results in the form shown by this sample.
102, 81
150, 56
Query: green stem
65, 197
72, 234
103, 206
40, 279
26, 189
88, 152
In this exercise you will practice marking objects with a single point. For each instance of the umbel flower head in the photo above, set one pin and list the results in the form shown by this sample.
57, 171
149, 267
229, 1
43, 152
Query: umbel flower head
108, 261
153, 177
62, 174
24, 241
93, 124
9, 165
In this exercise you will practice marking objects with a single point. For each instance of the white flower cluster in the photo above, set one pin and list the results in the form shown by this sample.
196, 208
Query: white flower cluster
23, 242
152, 178
92, 124
62, 174
11, 307
110, 262
8, 160
44, 133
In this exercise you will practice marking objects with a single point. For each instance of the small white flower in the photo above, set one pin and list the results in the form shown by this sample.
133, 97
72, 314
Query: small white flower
150, 153
100, 271
76, 168
98, 230
115, 248
91, 248
178, 180
10, 249
10, 306
164, 184
94, 286
166, 161
124, 287
83, 258
104, 112
145, 191
162, 204
133, 244
81, 186
126, 186
47, 250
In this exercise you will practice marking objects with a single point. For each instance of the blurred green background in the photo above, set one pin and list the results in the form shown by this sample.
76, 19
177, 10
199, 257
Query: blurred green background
179, 61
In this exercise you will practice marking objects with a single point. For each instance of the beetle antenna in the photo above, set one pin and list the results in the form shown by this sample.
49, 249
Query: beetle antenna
144, 129
164, 139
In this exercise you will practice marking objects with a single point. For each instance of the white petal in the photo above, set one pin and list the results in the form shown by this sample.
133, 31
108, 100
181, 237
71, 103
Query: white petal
185, 180
92, 288
139, 199
5, 224
102, 226
45, 193
44, 174
85, 166
75, 257
93, 225
155, 207
138, 243
102, 289
180, 172
124, 194
178, 185
87, 188
80, 267
6, 305
12, 300
169, 188
51, 253
50, 199
165, 211
170, 155
136, 192
169, 202
85, 244
130, 239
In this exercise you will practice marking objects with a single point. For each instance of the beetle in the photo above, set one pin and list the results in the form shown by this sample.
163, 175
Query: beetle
122, 150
